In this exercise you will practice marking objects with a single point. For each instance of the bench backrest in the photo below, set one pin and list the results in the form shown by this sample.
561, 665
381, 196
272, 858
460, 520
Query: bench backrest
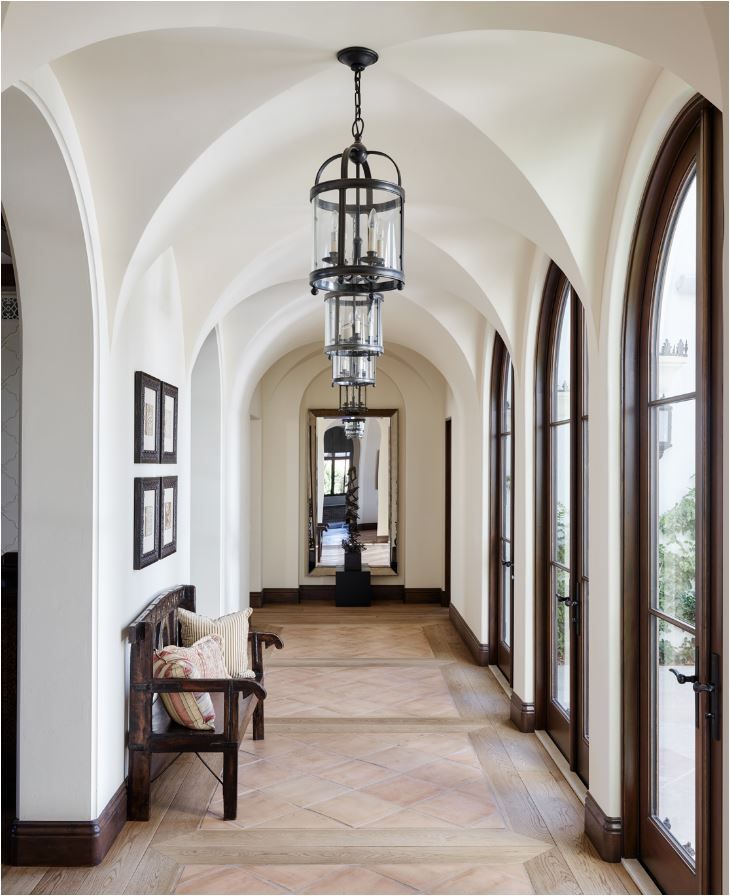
156, 627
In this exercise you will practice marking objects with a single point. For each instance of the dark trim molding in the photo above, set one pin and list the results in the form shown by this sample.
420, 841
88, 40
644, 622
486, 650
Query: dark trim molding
605, 833
280, 596
69, 843
522, 715
479, 651
424, 595
327, 592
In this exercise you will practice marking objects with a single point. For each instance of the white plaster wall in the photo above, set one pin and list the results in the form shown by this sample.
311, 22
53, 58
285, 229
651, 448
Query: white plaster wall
58, 517
205, 477
11, 369
255, 492
149, 339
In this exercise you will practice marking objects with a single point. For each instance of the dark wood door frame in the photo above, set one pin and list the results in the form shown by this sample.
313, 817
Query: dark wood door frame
569, 736
446, 599
696, 133
500, 654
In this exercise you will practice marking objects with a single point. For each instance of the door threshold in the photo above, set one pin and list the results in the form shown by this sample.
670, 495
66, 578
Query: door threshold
640, 877
575, 782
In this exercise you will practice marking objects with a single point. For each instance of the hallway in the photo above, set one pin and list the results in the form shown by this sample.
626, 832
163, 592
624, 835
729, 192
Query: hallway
389, 766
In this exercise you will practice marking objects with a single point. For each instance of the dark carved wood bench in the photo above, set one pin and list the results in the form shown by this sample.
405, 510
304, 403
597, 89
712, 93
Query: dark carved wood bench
152, 733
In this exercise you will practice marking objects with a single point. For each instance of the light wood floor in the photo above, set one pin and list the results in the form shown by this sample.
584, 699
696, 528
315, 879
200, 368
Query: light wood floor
389, 766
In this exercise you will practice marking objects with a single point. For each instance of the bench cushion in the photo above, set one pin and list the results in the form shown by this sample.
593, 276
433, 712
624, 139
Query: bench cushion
233, 628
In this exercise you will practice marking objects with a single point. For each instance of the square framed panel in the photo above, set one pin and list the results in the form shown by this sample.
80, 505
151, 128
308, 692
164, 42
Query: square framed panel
147, 397
146, 540
168, 515
168, 424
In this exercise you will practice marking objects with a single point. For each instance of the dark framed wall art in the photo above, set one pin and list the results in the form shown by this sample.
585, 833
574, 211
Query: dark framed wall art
147, 493
147, 398
168, 424
168, 516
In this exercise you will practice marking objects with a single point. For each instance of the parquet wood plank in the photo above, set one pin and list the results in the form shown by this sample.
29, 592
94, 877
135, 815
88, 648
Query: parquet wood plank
352, 847
20, 880
157, 873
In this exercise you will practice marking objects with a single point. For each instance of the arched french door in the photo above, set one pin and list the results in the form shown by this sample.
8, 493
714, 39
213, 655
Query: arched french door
673, 488
562, 523
502, 509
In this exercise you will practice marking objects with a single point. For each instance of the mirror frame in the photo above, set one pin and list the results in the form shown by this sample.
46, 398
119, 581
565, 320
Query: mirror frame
313, 414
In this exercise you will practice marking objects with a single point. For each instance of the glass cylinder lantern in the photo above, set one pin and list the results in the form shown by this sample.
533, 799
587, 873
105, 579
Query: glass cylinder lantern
353, 370
353, 323
358, 217
354, 427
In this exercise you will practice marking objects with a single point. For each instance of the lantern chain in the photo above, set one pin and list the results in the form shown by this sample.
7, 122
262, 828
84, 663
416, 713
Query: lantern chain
358, 125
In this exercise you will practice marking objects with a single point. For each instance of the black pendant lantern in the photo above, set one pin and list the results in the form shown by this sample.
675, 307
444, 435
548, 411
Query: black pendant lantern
358, 218
353, 404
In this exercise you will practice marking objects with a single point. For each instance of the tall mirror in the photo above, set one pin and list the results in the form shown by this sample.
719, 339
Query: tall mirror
374, 457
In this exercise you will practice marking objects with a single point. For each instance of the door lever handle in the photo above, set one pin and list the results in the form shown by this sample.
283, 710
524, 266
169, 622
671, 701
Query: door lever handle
507, 563
683, 679
566, 600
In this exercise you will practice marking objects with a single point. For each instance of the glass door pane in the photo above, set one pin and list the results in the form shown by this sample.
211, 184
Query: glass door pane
561, 639
506, 602
673, 788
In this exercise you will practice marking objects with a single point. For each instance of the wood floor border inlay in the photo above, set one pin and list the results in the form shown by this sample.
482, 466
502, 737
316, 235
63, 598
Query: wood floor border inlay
352, 847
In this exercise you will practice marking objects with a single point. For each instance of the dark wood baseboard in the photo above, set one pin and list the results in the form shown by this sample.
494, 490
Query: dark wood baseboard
388, 592
605, 833
69, 843
327, 592
317, 592
479, 651
279, 596
423, 595
522, 714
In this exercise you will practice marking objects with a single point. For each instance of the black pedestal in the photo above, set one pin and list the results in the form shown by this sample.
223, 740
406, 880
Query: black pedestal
352, 589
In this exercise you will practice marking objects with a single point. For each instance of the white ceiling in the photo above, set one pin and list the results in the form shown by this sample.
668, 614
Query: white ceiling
202, 126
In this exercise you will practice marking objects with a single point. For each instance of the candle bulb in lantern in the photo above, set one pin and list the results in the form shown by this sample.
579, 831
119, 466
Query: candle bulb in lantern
333, 235
371, 230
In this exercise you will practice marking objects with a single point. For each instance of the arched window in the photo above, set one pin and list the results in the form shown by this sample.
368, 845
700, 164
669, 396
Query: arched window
502, 509
673, 514
561, 483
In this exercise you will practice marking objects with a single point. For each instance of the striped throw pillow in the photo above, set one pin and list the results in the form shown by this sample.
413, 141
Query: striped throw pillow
233, 628
188, 708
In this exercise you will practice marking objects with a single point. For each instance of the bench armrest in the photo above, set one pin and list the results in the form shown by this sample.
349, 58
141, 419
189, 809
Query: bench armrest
231, 688
257, 639
201, 685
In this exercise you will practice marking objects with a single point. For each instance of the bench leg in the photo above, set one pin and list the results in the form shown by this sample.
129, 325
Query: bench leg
138, 786
230, 784
258, 721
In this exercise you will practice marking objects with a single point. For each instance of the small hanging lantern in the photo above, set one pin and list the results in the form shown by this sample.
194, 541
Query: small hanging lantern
353, 323
358, 218
353, 370
354, 427
353, 403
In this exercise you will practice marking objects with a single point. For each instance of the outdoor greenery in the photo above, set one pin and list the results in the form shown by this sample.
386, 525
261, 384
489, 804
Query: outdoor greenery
676, 576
